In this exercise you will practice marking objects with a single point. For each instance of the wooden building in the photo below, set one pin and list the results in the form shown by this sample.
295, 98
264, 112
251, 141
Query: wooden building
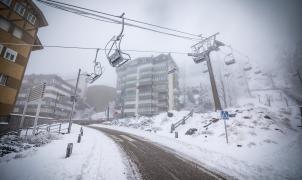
19, 24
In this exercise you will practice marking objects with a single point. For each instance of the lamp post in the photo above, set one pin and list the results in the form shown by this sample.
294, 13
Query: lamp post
74, 99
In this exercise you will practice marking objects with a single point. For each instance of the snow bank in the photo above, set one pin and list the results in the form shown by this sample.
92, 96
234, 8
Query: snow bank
264, 142
96, 157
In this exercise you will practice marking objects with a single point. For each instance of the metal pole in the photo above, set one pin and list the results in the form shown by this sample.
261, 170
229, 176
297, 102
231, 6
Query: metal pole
108, 112
24, 110
213, 84
226, 132
137, 93
246, 82
74, 101
37, 116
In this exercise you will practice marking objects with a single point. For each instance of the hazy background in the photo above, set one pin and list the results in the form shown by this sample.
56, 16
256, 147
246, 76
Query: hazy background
258, 28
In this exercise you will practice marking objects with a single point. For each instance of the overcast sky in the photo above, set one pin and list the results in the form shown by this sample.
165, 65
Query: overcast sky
256, 27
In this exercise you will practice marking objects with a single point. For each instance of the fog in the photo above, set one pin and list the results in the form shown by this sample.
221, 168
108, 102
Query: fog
258, 29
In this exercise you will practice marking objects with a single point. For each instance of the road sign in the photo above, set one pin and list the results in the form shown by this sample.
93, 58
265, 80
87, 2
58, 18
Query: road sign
37, 92
224, 115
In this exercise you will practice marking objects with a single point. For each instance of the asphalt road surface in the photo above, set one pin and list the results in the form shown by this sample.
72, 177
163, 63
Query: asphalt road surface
155, 162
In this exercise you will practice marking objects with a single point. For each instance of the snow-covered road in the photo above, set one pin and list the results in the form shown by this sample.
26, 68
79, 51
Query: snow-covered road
156, 162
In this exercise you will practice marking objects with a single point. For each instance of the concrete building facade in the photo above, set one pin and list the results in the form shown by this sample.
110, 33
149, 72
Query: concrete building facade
145, 88
57, 97
19, 24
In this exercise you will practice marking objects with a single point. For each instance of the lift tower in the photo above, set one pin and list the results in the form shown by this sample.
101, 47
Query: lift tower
201, 53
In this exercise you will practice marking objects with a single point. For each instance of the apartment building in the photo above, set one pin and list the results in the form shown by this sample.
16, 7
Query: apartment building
56, 101
145, 87
19, 24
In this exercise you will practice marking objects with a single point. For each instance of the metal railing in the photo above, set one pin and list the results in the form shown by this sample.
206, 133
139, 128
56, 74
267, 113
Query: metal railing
60, 128
182, 121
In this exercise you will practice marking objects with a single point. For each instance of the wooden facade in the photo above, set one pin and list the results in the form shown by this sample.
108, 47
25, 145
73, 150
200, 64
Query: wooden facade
19, 24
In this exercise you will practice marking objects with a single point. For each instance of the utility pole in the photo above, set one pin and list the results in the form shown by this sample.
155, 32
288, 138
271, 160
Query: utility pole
108, 112
201, 53
74, 99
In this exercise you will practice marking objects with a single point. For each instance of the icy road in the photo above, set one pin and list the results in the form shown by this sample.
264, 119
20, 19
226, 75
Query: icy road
156, 162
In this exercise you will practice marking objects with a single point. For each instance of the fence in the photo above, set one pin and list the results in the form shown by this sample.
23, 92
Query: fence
182, 121
60, 128
14, 120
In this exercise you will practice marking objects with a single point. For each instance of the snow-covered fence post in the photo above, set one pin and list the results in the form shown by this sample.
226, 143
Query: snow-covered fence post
26, 132
69, 150
60, 128
79, 138
172, 128
268, 99
81, 131
176, 134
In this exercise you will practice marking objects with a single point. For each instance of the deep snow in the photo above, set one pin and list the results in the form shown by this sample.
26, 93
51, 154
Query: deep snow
96, 157
264, 142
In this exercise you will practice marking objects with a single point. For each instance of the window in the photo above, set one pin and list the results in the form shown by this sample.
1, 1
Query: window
31, 18
1, 47
4, 24
18, 32
6, 2
3, 79
10, 54
20, 9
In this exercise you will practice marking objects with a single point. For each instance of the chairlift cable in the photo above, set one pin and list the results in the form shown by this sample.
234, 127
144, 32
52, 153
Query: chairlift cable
76, 11
91, 48
129, 19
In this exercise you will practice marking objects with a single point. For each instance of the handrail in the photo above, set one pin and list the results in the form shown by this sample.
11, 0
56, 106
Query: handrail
182, 121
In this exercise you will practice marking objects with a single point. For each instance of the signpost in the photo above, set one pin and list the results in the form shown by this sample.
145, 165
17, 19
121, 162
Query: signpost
35, 93
225, 116
74, 100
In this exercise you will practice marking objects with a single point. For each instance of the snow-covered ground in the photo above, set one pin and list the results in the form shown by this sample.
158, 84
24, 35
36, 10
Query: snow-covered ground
264, 142
96, 157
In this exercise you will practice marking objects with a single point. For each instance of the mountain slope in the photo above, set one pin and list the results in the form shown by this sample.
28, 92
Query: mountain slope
99, 96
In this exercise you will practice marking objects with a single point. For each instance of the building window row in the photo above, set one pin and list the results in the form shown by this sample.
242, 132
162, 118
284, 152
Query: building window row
5, 25
3, 79
6, 2
20, 8
9, 54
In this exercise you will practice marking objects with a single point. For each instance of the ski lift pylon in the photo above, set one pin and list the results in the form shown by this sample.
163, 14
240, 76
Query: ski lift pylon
115, 55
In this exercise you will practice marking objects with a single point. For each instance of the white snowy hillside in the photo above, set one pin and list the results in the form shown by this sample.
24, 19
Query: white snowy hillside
264, 142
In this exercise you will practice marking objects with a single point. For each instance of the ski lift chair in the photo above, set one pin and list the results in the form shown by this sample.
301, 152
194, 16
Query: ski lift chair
117, 57
257, 71
247, 67
229, 59
200, 58
228, 74
97, 71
